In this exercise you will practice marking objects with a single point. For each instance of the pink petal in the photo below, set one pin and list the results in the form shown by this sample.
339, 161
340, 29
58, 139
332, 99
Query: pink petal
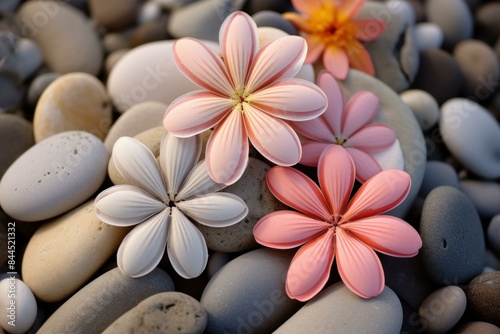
294, 99
381, 193
298, 21
348, 9
311, 151
227, 149
307, 6
369, 29
336, 177
238, 41
272, 137
310, 267
372, 137
335, 111
287, 229
336, 62
386, 234
359, 266
366, 165
360, 59
315, 47
360, 110
202, 66
194, 113
315, 129
279, 59
298, 191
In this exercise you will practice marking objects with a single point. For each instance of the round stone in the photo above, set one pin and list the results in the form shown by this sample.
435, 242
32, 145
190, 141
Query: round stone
167, 312
486, 21
115, 41
16, 136
24, 306
483, 297
424, 107
148, 32
428, 35
453, 248
268, 18
114, 14
11, 93
150, 11
484, 195
113, 58
28, 56
477, 327
438, 173
74, 101
493, 234
38, 86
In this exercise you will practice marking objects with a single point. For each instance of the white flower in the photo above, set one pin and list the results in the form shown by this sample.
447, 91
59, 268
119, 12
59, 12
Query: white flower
160, 200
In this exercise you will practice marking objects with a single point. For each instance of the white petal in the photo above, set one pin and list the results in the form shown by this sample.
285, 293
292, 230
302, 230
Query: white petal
187, 249
216, 210
143, 248
390, 158
198, 182
126, 205
135, 162
177, 157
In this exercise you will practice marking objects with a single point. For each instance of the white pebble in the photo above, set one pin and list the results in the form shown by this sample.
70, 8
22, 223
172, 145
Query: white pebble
428, 35
18, 306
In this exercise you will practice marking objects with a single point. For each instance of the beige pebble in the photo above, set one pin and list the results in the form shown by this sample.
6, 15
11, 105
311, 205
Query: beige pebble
477, 327
74, 101
66, 251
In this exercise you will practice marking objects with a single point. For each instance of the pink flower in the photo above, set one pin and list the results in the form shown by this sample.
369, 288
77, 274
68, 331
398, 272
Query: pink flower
328, 225
248, 93
331, 31
349, 127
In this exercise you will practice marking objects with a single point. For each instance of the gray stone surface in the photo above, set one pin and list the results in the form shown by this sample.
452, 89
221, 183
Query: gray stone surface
485, 195
493, 234
438, 173
16, 136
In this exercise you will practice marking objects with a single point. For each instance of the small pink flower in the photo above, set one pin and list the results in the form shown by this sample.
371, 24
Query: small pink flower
247, 95
349, 127
328, 225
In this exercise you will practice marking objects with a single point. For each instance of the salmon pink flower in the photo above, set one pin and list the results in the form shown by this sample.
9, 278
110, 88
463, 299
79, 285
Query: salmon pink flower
329, 225
248, 93
332, 31
349, 127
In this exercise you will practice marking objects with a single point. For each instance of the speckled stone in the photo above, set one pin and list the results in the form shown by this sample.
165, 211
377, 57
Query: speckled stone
337, 309
485, 195
438, 173
114, 14
452, 235
16, 136
483, 297
477, 327
163, 313
251, 188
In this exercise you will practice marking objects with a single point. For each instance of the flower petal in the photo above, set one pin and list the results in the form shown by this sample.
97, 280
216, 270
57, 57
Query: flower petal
298, 21
311, 151
386, 234
336, 62
310, 267
272, 137
372, 137
315, 47
186, 248
195, 112
177, 157
202, 66
227, 149
349, 9
369, 29
381, 193
215, 210
366, 165
307, 6
334, 113
360, 59
135, 162
143, 247
359, 266
336, 173
198, 182
294, 99
287, 229
238, 41
279, 59
360, 110
297, 191
126, 205
315, 129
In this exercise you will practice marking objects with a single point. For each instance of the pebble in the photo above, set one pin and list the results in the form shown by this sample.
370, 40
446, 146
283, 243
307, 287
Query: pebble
338, 310
395, 54
77, 50
439, 75
24, 306
9, 64
424, 107
428, 35
254, 6
248, 295
452, 235
139, 118
484, 194
438, 173
486, 21
115, 41
66, 242
491, 261
11, 93
216, 261
74, 101
16, 136
8, 6
148, 32
166, 312
113, 58
474, 141
41, 183
480, 67
38, 86
150, 11
442, 309
453, 17
97, 305
483, 298
477, 327
251, 188
493, 234
114, 14
268, 18
147, 73
28, 56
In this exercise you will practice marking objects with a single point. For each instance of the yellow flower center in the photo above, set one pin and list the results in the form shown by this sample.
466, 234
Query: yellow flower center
240, 98
332, 28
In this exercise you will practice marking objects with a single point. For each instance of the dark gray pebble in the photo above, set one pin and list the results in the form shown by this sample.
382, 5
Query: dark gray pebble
485, 195
437, 173
16, 136
268, 18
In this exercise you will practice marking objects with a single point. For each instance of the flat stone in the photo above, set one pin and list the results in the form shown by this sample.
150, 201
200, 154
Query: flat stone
166, 312
97, 305
114, 14
483, 298
485, 195
16, 136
